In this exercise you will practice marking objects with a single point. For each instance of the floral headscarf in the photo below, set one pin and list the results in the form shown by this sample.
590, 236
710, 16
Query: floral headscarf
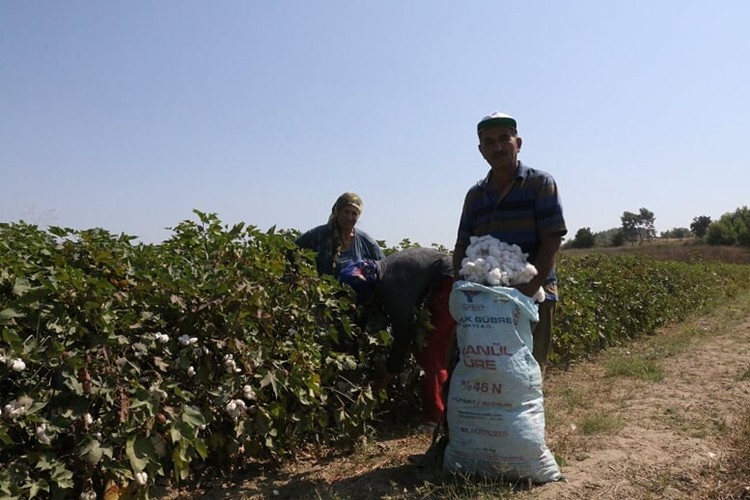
346, 199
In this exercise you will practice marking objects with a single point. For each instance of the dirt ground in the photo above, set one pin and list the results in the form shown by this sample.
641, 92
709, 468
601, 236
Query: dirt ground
616, 436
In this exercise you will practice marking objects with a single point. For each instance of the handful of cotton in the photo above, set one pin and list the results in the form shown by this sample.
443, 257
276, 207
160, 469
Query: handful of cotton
490, 261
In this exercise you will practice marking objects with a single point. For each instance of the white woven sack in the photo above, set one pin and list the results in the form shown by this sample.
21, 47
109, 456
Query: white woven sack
495, 405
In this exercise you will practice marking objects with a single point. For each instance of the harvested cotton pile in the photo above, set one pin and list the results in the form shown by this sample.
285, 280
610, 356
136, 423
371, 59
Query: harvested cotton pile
492, 262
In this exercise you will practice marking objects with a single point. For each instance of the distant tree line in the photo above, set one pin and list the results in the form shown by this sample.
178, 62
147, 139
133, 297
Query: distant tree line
731, 229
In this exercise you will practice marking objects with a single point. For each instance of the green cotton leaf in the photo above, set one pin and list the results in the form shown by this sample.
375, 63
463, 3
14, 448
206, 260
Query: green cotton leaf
7, 314
37, 486
21, 286
270, 379
140, 451
35, 407
92, 452
4, 437
200, 448
44, 462
181, 463
62, 476
174, 434
12, 338
192, 416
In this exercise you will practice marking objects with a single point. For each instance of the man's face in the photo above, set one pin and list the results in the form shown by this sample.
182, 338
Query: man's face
500, 146
347, 217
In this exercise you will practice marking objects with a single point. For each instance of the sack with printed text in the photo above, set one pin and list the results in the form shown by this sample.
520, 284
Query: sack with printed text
495, 409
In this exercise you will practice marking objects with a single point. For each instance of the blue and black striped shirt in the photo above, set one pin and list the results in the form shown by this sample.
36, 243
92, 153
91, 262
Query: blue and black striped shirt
530, 208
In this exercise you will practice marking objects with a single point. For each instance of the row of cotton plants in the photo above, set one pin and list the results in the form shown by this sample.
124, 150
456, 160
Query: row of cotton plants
122, 363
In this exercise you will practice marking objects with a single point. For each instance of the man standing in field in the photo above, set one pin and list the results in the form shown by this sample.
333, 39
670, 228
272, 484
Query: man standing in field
518, 205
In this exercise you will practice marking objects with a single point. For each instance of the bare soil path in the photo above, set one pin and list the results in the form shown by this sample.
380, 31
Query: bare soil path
654, 419
672, 435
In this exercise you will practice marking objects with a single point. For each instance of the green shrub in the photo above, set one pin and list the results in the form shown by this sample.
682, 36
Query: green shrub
606, 300
219, 344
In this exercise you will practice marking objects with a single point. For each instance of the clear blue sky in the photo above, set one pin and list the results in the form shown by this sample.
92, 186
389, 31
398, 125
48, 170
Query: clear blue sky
128, 115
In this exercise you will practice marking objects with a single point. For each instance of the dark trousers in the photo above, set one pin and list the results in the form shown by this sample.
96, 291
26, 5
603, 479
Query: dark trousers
542, 333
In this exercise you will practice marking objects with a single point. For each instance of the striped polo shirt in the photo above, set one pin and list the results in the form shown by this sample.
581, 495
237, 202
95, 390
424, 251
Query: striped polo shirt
532, 206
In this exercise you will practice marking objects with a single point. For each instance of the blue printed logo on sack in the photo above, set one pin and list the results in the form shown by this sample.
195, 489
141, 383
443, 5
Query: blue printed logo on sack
469, 304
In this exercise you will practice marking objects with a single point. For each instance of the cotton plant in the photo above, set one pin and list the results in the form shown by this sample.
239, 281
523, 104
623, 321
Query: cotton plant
489, 261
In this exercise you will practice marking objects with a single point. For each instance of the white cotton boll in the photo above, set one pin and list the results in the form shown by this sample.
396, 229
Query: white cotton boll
14, 409
240, 405
248, 393
230, 365
494, 277
18, 365
141, 478
186, 340
41, 434
236, 408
